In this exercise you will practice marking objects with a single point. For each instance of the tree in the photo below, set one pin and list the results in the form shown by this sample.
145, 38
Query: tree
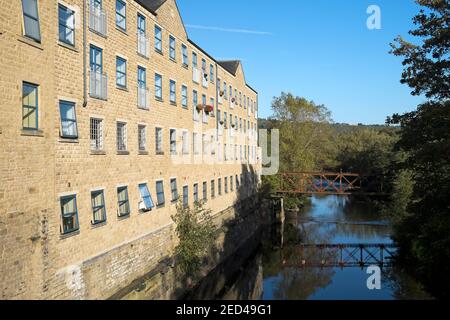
423, 230
427, 65
304, 130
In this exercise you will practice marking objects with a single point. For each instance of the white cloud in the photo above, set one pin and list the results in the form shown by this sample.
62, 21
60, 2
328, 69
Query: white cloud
210, 28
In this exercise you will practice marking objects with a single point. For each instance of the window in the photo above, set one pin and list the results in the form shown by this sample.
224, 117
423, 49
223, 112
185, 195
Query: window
121, 72
185, 196
68, 119
173, 92
142, 88
173, 141
204, 144
196, 193
194, 60
245, 102
195, 102
231, 183
226, 184
213, 188
142, 139
174, 189
211, 73
124, 203
31, 19
158, 86
69, 214
146, 198
98, 207
66, 18
96, 133
185, 55
225, 90
29, 106
195, 143
172, 48
121, 15
142, 35
219, 186
158, 39
237, 182
160, 193
204, 68
158, 141
212, 146
121, 136
185, 142
205, 192
141, 25
184, 97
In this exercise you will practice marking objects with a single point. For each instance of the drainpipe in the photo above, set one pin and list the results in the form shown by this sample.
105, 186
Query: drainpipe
84, 55
217, 102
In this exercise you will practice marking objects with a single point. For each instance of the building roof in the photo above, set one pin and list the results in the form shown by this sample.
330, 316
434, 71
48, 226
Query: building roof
151, 5
231, 65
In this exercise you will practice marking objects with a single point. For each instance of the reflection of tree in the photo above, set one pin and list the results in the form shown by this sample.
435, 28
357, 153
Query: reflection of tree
403, 286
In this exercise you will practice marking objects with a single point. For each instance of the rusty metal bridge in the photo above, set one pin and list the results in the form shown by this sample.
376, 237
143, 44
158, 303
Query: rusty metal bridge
326, 183
341, 255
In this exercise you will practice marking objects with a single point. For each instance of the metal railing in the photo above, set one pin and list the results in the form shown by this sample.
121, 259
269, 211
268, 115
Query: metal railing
143, 95
97, 19
142, 44
195, 75
98, 85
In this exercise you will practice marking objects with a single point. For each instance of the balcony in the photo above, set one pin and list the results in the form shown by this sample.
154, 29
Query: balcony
195, 75
98, 85
97, 19
143, 44
205, 80
143, 96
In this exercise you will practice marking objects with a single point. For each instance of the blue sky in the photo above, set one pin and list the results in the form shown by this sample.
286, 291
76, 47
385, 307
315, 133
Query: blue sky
317, 49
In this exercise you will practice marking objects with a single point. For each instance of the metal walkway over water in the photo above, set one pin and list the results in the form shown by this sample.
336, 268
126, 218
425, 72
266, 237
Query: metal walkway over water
341, 255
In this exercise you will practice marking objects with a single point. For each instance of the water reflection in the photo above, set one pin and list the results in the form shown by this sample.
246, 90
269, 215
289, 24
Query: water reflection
275, 272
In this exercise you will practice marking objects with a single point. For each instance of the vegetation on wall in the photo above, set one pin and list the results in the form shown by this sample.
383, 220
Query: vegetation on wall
195, 231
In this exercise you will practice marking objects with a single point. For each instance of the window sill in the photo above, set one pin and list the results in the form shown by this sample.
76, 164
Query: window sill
186, 66
159, 153
124, 32
68, 140
173, 60
160, 206
68, 46
98, 33
159, 99
144, 108
159, 52
123, 217
98, 98
31, 42
122, 88
95, 225
143, 153
69, 234
143, 55
173, 103
123, 153
32, 133
98, 152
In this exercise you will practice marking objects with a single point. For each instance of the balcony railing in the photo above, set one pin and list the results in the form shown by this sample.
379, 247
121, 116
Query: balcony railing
143, 44
205, 81
195, 75
98, 85
143, 95
97, 19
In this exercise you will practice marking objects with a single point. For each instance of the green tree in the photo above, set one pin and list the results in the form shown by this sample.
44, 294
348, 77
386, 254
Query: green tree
427, 66
423, 230
195, 231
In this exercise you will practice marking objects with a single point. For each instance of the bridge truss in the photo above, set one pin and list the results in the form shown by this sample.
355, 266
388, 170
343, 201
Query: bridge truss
341, 255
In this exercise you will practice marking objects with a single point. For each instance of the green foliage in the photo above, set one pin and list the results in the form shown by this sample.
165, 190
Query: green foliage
400, 198
427, 66
195, 230
304, 131
423, 232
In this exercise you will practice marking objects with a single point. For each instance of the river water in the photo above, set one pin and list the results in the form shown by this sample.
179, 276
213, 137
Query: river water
273, 271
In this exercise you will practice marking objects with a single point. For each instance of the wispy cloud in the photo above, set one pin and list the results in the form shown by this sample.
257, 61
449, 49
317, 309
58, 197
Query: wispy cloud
210, 28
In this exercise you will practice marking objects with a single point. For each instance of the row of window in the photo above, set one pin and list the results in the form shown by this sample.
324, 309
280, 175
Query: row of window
66, 29
241, 152
69, 209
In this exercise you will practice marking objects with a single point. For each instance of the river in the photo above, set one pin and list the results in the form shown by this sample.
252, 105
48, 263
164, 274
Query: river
273, 271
